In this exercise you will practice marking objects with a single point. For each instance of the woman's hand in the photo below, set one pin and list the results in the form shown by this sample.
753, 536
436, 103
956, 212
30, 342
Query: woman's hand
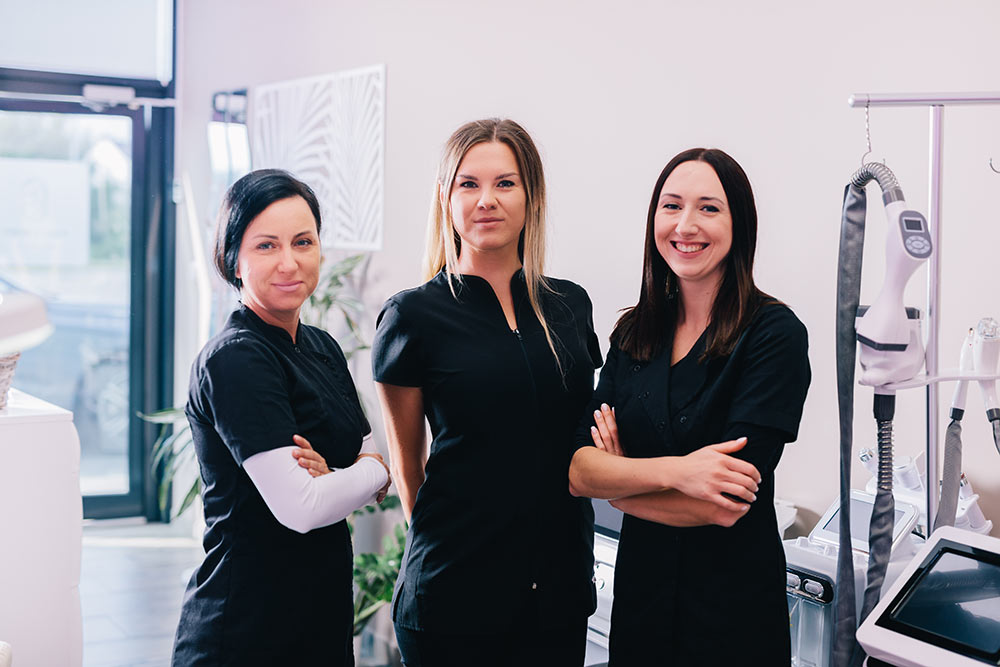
605, 433
308, 457
711, 474
380, 496
315, 464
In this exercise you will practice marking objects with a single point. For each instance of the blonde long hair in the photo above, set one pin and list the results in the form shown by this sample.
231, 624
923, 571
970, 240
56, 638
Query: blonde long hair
444, 243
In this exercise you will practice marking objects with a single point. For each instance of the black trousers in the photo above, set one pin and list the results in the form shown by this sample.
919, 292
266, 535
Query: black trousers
526, 645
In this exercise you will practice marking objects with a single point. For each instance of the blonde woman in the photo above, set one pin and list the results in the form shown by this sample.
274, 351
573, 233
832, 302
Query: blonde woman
500, 360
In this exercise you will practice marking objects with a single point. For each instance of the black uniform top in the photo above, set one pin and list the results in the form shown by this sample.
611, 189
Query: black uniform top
706, 595
263, 587
494, 527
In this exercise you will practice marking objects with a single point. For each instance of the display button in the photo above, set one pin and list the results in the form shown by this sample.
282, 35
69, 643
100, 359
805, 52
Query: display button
813, 587
792, 580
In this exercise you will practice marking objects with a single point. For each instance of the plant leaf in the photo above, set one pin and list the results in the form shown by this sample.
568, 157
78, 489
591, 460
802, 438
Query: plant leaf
189, 498
167, 416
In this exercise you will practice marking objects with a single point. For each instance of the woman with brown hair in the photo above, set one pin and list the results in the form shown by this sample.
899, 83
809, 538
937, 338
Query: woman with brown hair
703, 386
500, 361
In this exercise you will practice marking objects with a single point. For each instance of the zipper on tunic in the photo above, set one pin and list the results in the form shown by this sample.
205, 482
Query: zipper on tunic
535, 568
527, 363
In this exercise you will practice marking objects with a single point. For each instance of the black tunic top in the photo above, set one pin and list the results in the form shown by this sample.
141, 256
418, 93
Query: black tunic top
266, 594
494, 528
706, 595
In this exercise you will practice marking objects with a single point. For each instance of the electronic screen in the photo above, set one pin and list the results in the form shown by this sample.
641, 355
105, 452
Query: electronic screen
607, 520
861, 517
913, 224
953, 602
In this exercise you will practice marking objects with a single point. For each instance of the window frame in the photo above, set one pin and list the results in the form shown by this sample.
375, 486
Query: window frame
152, 257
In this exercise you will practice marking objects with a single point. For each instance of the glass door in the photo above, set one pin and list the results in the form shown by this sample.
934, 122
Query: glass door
70, 200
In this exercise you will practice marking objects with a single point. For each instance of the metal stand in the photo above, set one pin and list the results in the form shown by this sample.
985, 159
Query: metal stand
936, 102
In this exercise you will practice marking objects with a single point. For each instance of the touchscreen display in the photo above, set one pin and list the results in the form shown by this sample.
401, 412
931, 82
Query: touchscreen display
958, 599
861, 517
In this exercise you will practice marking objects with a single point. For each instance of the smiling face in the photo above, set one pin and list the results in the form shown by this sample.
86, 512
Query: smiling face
487, 201
279, 261
693, 227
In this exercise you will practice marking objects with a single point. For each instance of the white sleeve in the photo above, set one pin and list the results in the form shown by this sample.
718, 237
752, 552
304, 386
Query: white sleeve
368, 447
302, 502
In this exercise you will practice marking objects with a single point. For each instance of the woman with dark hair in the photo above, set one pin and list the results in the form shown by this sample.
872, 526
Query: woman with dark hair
499, 359
271, 402
703, 386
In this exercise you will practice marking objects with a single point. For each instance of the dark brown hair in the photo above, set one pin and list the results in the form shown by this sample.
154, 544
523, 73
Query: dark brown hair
245, 200
643, 330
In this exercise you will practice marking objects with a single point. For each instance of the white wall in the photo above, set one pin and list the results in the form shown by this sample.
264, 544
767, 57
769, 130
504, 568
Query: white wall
611, 91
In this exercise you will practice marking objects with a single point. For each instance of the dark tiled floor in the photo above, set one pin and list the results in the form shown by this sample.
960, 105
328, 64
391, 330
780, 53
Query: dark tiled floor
131, 585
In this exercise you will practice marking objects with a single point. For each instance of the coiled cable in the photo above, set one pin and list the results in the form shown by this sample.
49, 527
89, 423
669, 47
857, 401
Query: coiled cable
875, 171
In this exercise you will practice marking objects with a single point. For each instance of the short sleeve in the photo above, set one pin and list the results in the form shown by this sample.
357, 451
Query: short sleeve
593, 344
604, 393
241, 392
396, 349
763, 448
772, 386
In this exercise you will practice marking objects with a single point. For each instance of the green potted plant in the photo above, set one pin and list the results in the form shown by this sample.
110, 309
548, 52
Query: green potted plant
375, 574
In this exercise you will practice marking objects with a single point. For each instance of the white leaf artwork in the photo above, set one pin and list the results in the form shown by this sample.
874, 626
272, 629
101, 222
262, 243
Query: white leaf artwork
329, 131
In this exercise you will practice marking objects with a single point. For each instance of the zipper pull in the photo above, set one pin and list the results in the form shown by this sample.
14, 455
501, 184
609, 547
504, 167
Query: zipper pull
518, 333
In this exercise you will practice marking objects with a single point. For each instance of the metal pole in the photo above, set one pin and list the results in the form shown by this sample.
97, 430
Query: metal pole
921, 99
933, 313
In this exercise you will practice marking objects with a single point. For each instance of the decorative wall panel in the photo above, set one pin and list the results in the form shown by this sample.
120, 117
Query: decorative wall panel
329, 131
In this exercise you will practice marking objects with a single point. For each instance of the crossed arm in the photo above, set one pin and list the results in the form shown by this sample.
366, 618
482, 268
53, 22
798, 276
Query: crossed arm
707, 486
303, 493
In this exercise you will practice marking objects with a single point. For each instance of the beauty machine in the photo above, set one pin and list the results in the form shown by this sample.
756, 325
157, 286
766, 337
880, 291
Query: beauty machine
811, 562
943, 609
980, 354
986, 353
811, 572
886, 339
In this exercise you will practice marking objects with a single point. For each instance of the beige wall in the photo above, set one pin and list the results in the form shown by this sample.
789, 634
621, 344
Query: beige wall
610, 91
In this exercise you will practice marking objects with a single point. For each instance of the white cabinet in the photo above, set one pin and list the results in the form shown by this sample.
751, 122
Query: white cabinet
41, 515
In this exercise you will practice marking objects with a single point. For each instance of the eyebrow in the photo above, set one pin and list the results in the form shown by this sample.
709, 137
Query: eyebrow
275, 238
671, 194
470, 177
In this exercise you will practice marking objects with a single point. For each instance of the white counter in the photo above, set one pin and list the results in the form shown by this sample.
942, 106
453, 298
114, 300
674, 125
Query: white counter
41, 515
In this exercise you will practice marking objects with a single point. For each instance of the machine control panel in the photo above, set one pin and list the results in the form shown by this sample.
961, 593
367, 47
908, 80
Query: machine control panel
915, 233
813, 588
808, 585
